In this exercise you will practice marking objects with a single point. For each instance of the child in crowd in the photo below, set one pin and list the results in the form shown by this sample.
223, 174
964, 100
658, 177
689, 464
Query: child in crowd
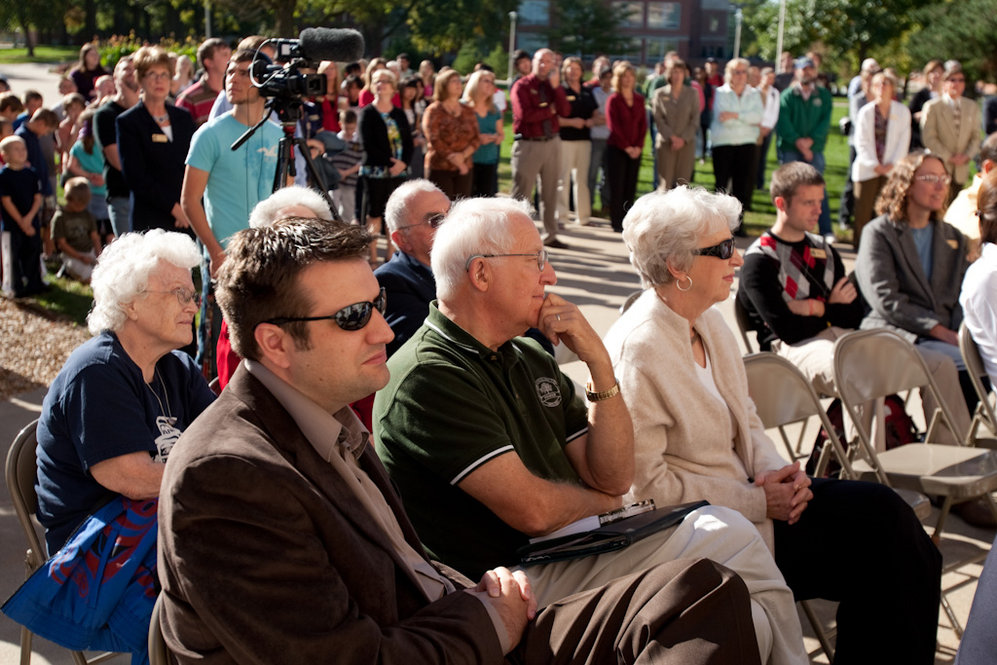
10, 107
72, 106
32, 102
348, 162
20, 231
74, 231
42, 124
87, 160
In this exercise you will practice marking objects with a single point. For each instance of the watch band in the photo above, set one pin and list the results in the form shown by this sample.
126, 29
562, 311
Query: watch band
593, 396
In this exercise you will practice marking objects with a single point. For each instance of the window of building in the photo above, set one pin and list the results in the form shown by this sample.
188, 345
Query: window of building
664, 15
632, 13
534, 12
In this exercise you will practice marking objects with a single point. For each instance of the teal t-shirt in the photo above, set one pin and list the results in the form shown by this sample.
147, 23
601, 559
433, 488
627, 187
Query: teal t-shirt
452, 405
91, 162
487, 154
237, 179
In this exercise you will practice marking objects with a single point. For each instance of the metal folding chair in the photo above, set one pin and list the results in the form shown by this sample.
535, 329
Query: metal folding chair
782, 397
869, 364
983, 429
20, 472
744, 326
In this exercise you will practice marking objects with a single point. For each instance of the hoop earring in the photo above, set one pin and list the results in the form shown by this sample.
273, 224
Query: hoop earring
678, 284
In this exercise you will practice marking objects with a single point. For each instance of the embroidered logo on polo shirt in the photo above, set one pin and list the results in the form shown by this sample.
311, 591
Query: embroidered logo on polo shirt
548, 392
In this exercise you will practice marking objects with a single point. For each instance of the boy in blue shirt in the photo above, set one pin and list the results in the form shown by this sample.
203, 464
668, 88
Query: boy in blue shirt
20, 204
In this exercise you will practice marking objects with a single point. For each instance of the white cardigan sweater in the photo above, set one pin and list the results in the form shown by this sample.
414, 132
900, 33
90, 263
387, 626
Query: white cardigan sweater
689, 445
897, 140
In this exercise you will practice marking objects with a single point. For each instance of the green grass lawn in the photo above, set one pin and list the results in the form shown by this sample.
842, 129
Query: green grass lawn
43, 53
763, 213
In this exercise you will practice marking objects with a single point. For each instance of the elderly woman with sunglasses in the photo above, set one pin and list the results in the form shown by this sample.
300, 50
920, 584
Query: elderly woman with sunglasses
697, 436
117, 407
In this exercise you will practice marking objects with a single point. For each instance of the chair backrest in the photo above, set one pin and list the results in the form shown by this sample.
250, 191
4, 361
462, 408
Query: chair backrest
877, 363
975, 368
20, 473
782, 395
869, 364
631, 299
743, 325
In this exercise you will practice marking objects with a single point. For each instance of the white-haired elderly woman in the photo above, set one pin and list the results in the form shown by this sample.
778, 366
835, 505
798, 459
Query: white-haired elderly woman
121, 401
737, 117
293, 201
697, 436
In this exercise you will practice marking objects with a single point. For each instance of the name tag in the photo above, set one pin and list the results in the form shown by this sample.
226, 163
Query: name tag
160, 138
818, 253
953, 243
571, 98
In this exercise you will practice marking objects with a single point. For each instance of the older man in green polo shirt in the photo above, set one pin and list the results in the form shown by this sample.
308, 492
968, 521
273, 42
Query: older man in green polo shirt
490, 445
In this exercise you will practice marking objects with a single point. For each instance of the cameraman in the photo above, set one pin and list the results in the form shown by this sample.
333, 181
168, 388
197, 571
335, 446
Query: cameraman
232, 182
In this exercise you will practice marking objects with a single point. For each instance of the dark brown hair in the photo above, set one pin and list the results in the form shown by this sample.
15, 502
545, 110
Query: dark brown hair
259, 279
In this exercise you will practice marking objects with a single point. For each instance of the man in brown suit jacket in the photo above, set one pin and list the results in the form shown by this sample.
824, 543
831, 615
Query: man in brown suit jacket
950, 127
282, 541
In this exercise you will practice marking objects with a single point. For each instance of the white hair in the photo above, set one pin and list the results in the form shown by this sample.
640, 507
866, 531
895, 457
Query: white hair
268, 210
664, 228
396, 210
123, 270
473, 226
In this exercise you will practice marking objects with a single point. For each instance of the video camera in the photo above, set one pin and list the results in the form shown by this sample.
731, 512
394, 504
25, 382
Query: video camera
285, 80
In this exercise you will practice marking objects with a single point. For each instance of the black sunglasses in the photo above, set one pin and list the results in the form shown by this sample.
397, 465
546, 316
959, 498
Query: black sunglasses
352, 317
723, 250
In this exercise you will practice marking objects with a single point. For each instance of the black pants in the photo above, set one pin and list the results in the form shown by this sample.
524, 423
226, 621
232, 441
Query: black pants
860, 544
26, 254
451, 182
734, 168
622, 176
846, 207
483, 180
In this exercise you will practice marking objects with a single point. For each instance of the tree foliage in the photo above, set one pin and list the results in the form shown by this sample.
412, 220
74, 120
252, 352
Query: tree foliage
848, 30
965, 30
588, 27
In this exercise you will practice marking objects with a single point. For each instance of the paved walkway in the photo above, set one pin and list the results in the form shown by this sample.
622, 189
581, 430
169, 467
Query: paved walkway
594, 274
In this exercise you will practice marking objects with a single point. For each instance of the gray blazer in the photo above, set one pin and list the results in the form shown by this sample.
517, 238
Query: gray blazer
893, 282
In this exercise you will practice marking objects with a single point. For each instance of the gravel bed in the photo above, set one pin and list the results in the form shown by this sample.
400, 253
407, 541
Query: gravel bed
34, 345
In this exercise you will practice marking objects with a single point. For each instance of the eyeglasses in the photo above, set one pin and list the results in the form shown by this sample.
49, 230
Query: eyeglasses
432, 220
350, 318
158, 76
540, 256
723, 250
184, 296
934, 179
956, 79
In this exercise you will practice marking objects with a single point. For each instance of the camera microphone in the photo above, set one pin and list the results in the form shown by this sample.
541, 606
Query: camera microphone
336, 44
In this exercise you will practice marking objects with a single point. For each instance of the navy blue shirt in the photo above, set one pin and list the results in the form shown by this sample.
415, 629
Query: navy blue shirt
36, 158
21, 186
100, 407
409, 286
